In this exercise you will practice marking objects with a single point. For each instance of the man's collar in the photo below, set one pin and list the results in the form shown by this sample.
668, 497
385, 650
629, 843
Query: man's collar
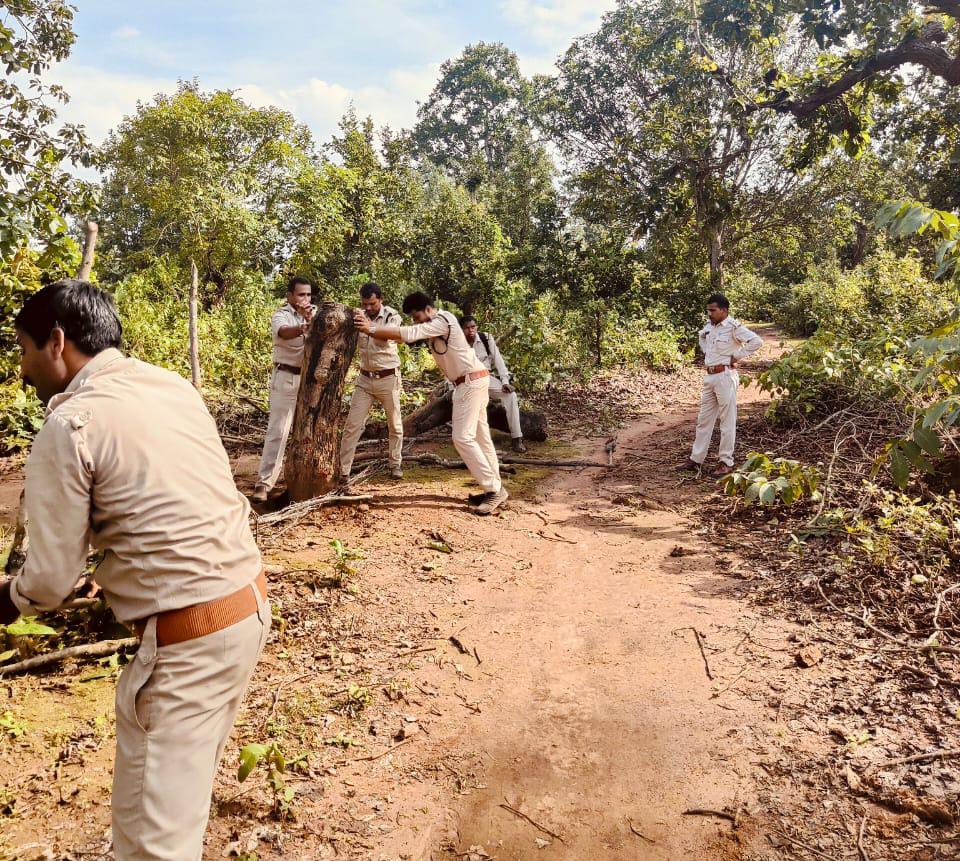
97, 363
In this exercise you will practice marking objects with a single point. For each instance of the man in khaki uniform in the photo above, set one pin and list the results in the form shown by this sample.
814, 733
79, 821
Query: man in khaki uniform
379, 381
723, 342
289, 326
500, 386
459, 363
129, 460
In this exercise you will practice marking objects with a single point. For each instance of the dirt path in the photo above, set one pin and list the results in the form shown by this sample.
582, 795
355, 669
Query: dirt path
582, 699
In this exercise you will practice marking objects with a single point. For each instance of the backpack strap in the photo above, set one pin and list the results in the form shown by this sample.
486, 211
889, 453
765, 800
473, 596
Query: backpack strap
485, 339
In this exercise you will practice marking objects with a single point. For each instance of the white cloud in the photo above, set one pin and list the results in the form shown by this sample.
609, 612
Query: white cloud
321, 104
555, 23
125, 33
99, 100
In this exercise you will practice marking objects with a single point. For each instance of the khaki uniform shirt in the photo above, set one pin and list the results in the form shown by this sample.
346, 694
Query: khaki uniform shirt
727, 340
492, 361
377, 355
129, 460
288, 351
453, 355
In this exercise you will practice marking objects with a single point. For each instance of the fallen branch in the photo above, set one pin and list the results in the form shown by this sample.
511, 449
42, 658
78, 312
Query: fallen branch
633, 830
382, 753
721, 814
703, 652
910, 647
301, 509
93, 650
919, 757
537, 825
806, 846
535, 461
860, 848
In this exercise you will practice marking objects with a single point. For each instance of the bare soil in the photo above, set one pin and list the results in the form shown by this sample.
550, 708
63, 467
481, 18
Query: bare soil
570, 679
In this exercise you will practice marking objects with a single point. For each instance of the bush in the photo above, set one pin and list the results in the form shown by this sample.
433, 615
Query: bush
753, 297
884, 289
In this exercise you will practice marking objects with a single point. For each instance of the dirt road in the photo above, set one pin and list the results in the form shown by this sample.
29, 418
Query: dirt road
577, 715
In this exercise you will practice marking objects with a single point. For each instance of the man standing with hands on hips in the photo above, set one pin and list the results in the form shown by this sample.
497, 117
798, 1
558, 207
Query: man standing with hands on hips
379, 381
289, 326
723, 342
460, 365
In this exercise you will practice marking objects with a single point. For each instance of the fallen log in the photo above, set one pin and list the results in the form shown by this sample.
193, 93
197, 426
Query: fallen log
438, 410
312, 466
93, 650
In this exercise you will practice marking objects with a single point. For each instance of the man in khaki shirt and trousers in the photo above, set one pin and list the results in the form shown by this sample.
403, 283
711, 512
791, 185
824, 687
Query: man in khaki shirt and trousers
129, 460
379, 381
460, 365
289, 326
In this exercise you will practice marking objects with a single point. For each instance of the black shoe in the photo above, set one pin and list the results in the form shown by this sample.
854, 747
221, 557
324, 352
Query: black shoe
689, 466
479, 498
518, 445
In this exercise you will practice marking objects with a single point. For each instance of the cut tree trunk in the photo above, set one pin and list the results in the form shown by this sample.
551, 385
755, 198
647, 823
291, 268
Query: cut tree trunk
438, 410
194, 335
312, 465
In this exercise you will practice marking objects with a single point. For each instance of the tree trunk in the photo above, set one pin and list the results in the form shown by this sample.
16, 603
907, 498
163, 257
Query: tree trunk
715, 249
312, 465
438, 410
194, 337
90, 230
598, 337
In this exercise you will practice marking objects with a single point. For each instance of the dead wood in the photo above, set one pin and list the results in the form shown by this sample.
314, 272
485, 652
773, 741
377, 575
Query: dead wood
93, 650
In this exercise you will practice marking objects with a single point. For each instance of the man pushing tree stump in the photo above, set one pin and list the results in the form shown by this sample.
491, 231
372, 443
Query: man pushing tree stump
459, 363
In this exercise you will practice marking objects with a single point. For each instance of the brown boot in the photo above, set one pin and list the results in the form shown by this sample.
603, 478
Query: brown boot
722, 470
689, 466
518, 445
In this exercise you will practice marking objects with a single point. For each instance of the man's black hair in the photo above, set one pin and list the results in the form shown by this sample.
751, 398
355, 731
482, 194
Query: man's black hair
469, 318
85, 313
298, 279
719, 300
370, 289
418, 301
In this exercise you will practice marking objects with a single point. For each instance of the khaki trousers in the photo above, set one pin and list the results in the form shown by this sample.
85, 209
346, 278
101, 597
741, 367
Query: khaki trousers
717, 401
386, 392
511, 405
175, 708
471, 433
284, 388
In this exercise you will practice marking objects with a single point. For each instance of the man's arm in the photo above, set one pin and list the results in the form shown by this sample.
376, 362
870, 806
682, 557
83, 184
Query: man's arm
749, 342
57, 498
288, 333
435, 328
497, 357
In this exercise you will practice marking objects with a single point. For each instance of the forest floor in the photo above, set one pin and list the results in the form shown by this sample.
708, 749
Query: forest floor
571, 679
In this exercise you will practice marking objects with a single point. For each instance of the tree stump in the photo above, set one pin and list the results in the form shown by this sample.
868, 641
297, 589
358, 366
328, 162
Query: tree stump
312, 465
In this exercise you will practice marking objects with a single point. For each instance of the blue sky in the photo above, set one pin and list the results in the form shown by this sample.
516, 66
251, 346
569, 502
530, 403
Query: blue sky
314, 59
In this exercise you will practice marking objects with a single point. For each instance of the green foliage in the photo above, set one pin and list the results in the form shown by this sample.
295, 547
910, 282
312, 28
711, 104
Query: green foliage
343, 571
234, 335
767, 480
859, 302
276, 765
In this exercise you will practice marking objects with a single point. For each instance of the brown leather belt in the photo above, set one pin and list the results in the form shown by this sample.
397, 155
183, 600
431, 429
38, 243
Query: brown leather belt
718, 369
290, 369
473, 375
189, 623
379, 375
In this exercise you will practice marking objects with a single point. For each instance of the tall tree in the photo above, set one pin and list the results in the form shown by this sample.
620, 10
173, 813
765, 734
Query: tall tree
649, 136
203, 177
471, 120
35, 191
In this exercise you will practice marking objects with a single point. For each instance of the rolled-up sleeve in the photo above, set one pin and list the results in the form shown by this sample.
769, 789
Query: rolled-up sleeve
435, 328
59, 481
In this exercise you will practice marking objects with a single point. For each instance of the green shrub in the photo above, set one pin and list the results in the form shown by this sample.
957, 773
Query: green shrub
753, 297
766, 480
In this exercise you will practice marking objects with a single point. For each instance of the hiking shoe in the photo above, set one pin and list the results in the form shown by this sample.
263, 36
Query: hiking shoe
689, 466
493, 502
722, 470
396, 472
260, 494
477, 498
518, 445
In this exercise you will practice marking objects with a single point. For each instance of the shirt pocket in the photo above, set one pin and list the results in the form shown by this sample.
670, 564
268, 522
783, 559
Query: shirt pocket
724, 345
